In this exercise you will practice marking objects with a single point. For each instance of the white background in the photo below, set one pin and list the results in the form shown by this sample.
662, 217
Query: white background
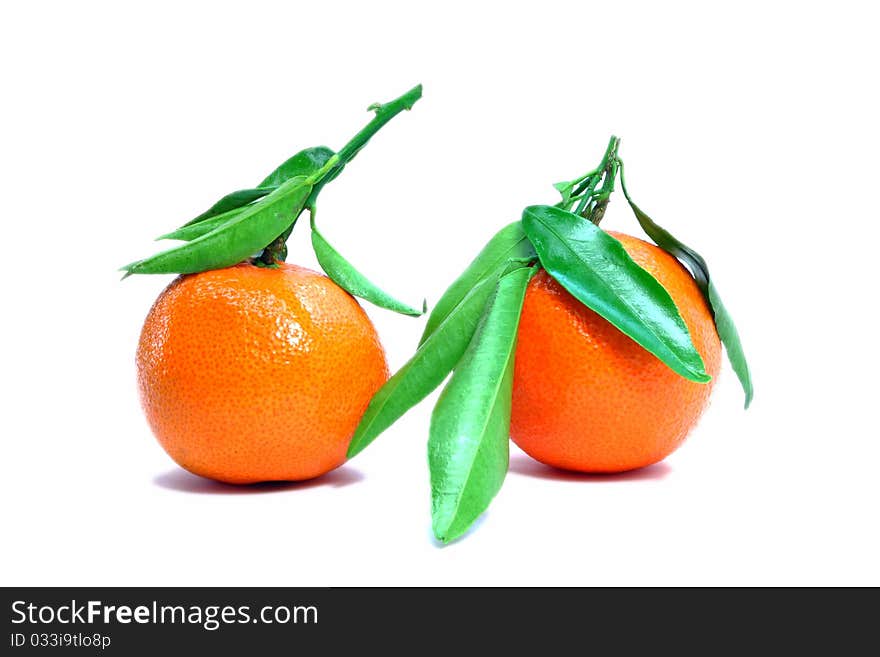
751, 131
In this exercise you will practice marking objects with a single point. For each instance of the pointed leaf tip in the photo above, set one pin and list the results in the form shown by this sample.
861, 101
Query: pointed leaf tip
343, 273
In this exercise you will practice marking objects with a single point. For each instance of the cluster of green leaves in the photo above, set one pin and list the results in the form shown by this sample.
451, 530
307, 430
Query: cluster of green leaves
256, 222
472, 330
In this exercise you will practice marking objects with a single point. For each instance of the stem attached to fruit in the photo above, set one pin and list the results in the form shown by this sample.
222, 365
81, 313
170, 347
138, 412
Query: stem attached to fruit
276, 251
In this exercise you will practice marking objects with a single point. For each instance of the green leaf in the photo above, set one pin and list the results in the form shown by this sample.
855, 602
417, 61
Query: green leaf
235, 240
700, 270
595, 269
422, 373
191, 231
279, 209
470, 426
229, 202
510, 242
304, 163
351, 280
730, 339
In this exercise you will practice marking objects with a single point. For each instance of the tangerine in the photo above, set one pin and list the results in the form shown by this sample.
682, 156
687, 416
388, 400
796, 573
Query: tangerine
586, 397
251, 374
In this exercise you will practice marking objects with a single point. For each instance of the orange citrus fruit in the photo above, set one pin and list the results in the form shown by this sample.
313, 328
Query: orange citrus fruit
251, 374
585, 396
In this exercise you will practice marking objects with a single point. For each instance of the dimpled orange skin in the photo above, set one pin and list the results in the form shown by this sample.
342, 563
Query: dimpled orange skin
250, 374
588, 398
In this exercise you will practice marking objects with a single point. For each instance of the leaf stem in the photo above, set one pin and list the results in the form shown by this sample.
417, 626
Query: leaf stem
384, 113
590, 201
277, 250
611, 167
